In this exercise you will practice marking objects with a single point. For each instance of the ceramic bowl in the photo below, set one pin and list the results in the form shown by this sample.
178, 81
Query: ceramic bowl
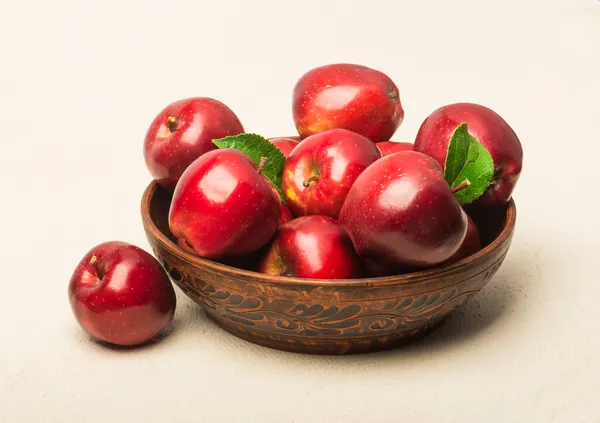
327, 316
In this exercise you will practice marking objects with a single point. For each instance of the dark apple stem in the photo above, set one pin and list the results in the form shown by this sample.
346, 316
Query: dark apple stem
261, 165
310, 180
172, 123
461, 186
96, 267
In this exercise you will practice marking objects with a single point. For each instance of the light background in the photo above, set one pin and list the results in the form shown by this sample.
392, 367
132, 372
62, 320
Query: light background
80, 82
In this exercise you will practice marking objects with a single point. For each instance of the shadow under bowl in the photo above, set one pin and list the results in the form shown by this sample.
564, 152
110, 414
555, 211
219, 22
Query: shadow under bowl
327, 316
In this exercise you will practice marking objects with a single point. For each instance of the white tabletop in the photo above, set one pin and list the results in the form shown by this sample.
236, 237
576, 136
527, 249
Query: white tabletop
80, 82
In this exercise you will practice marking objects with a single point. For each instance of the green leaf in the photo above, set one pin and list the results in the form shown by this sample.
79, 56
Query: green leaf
256, 147
468, 163
458, 151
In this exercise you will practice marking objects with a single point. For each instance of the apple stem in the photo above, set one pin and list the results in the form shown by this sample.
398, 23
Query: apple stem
461, 186
310, 180
261, 165
172, 123
94, 264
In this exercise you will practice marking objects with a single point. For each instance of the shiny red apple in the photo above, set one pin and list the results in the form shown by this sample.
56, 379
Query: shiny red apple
121, 295
311, 247
471, 244
401, 211
320, 171
285, 145
490, 130
389, 147
224, 206
183, 131
347, 96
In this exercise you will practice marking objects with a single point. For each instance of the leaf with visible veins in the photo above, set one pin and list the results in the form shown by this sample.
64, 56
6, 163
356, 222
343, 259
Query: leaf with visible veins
468, 161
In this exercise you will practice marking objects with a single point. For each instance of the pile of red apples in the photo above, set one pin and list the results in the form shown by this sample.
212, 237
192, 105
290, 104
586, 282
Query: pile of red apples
351, 203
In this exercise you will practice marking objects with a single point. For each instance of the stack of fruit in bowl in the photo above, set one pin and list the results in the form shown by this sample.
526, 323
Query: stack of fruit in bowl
338, 202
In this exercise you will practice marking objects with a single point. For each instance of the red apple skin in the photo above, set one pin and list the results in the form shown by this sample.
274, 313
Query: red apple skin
390, 147
313, 247
222, 206
401, 211
471, 244
250, 261
286, 215
196, 122
320, 171
490, 130
347, 96
285, 145
121, 295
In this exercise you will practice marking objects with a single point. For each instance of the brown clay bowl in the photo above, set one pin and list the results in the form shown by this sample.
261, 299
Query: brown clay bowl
326, 316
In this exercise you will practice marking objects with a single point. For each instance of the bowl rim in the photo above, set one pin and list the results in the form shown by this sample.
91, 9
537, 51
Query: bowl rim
403, 279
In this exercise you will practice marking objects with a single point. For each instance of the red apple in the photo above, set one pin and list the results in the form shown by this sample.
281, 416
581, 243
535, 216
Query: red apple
224, 206
471, 244
389, 147
285, 145
320, 171
121, 295
401, 211
490, 130
347, 96
311, 247
183, 131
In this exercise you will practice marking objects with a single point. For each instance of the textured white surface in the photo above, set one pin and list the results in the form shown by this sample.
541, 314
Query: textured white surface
81, 80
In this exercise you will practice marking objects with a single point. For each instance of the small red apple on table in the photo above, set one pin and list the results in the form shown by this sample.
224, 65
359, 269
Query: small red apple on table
347, 96
182, 132
311, 247
320, 171
121, 295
